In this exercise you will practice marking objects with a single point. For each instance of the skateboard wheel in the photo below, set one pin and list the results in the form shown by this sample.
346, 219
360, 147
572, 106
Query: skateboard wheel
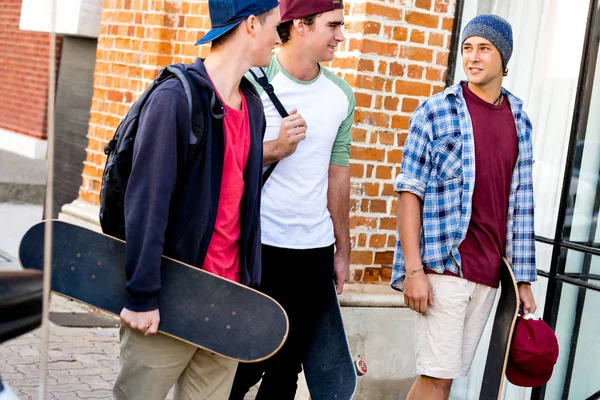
361, 367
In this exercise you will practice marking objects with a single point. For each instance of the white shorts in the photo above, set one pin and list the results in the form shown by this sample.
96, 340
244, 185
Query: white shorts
447, 337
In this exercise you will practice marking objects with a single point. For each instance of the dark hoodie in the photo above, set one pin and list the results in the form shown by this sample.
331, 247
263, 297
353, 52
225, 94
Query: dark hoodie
167, 214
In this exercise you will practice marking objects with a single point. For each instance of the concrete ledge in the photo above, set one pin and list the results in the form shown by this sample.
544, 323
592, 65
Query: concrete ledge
24, 145
71, 17
371, 295
81, 213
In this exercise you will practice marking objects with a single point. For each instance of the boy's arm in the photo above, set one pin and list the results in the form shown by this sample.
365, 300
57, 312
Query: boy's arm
164, 122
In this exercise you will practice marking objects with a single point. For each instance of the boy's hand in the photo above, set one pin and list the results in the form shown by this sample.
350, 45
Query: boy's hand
145, 322
292, 132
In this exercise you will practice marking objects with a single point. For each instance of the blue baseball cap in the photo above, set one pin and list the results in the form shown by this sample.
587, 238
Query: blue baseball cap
227, 14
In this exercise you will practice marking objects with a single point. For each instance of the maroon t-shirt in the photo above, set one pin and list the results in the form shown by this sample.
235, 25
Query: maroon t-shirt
496, 151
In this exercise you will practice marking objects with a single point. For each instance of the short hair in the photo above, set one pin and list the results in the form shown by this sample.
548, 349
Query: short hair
284, 28
262, 18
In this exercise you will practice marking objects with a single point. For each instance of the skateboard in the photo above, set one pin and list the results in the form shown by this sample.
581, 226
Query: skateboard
329, 369
502, 331
197, 307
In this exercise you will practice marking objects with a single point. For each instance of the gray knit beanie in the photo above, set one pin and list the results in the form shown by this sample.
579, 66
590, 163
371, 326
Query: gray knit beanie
495, 29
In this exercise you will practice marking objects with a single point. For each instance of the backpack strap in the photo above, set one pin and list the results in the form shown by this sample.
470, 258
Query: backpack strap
259, 75
195, 105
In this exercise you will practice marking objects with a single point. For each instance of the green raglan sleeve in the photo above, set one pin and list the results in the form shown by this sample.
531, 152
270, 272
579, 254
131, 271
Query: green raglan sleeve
340, 154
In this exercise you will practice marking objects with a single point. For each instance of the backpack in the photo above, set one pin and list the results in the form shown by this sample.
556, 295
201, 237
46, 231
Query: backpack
259, 75
120, 149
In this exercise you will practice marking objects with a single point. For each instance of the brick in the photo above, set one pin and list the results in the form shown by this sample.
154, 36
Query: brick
422, 19
441, 6
437, 89
409, 104
114, 95
413, 88
371, 189
362, 240
391, 13
415, 71
364, 205
371, 275
433, 74
386, 273
377, 240
442, 59
400, 34
396, 69
391, 103
416, 53
383, 172
354, 206
387, 223
363, 99
357, 222
372, 118
385, 257
385, 138
359, 135
424, 4
448, 24
382, 67
394, 156
417, 36
371, 28
436, 39
388, 32
343, 62
361, 257
357, 170
378, 206
357, 275
381, 48
369, 82
365, 65
366, 153
388, 190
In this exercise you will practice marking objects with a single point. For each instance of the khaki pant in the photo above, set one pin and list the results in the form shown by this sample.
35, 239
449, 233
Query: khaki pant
151, 365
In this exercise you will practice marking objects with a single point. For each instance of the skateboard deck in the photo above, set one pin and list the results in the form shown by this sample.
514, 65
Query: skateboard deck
197, 307
329, 370
502, 331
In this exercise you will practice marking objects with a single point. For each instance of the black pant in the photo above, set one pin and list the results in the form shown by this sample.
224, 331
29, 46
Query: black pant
299, 280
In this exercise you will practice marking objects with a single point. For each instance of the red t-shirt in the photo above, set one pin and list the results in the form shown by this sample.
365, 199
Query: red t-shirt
223, 255
496, 151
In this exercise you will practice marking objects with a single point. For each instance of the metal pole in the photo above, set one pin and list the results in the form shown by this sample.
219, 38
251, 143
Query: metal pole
45, 330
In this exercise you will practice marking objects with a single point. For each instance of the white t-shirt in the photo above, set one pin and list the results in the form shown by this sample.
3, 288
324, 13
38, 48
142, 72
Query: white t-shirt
294, 210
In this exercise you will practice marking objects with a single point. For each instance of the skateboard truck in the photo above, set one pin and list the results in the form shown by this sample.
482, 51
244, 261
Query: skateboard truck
361, 366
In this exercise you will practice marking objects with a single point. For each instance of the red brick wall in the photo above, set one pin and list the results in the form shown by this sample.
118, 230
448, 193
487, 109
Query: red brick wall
24, 58
395, 56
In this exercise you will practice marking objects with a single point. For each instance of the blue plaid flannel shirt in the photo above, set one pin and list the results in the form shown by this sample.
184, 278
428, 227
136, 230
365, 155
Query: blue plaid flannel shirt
438, 165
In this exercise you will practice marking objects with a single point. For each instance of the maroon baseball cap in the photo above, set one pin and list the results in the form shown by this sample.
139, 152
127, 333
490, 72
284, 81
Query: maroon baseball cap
294, 9
533, 353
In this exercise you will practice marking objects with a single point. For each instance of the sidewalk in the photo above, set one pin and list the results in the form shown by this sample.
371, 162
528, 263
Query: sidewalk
22, 180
